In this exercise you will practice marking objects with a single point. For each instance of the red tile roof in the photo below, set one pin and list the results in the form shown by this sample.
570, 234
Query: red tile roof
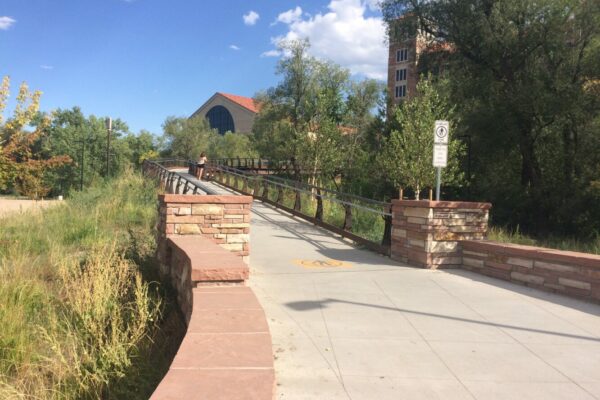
245, 102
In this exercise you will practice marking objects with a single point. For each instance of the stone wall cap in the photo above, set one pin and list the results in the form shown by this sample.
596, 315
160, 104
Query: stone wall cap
539, 253
208, 260
204, 199
441, 204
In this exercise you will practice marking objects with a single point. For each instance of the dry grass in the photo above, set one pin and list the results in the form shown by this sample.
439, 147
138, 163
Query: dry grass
79, 314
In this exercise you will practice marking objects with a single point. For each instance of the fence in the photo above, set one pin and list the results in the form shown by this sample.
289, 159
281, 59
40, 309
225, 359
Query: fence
363, 220
172, 181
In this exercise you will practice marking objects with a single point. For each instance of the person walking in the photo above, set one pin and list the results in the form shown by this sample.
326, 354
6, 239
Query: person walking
201, 165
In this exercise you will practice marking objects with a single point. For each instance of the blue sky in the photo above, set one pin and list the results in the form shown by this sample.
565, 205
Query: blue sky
143, 60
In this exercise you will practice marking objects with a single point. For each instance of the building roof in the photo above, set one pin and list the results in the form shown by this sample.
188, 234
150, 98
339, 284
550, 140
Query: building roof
246, 102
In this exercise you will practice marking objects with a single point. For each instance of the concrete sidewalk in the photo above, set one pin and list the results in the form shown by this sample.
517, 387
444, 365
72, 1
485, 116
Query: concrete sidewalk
350, 324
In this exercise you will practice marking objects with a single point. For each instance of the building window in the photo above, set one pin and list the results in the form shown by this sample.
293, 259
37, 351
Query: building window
220, 119
401, 55
400, 75
400, 91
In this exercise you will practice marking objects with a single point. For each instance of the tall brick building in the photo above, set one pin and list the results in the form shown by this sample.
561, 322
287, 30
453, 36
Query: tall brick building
410, 57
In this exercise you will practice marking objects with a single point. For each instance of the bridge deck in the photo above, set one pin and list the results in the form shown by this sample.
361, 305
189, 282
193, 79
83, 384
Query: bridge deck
350, 324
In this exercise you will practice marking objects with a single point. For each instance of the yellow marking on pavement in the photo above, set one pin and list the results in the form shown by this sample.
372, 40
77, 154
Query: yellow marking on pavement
328, 263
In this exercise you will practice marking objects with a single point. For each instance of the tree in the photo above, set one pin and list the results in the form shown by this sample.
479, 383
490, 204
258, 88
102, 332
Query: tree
232, 145
187, 137
21, 166
519, 71
406, 160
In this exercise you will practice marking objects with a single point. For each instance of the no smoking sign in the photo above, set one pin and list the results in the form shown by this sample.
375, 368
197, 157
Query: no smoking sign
441, 131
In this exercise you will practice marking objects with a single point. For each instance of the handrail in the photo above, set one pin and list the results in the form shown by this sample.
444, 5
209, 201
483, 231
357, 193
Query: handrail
158, 168
348, 201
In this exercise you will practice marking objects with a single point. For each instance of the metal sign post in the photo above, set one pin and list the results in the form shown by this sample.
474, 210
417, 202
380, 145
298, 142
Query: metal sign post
441, 132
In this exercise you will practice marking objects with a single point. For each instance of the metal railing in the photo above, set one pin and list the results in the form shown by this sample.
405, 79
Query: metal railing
173, 181
362, 220
365, 221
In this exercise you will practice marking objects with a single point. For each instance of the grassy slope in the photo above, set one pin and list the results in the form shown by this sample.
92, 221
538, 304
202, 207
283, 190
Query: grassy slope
80, 309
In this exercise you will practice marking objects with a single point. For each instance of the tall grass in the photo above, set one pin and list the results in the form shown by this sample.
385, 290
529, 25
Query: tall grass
80, 312
515, 236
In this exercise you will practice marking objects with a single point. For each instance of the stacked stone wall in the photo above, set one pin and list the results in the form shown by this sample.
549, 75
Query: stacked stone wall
570, 273
428, 233
224, 220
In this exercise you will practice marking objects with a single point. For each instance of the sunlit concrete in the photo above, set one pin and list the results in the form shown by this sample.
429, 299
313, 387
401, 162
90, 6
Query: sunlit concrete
376, 329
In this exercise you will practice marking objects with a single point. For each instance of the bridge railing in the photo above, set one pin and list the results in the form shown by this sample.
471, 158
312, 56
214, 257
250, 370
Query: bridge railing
362, 220
172, 181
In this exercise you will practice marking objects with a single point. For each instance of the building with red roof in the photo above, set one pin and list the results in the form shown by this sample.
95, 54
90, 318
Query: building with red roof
229, 113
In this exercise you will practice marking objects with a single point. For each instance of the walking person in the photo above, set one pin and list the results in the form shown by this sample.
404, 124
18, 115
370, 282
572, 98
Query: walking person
200, 166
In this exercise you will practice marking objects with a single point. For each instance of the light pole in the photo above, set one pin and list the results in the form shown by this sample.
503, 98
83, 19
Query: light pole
109, 129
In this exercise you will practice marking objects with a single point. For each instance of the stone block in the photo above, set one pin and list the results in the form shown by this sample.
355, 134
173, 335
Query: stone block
522, 262
239, 238
448, 214
527, 278
418, 212
472, 262
417, 220
207, 209
556, 267
397, 232
233, 246
238, 225
234, 216
187, 229
182, 210
474, 253
575, 283
416, 243
441, 246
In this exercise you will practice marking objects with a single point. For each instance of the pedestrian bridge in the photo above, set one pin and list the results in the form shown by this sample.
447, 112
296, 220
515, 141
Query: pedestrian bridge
349, 323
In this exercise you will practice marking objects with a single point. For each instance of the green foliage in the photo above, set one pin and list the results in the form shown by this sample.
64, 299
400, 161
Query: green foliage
79, 317
316, 117
524, 79
187, 137
408, 153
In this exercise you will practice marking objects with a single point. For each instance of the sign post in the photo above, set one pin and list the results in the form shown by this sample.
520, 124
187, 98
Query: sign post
440, 152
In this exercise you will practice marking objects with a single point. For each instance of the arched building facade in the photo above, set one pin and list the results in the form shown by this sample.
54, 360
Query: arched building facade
229, 113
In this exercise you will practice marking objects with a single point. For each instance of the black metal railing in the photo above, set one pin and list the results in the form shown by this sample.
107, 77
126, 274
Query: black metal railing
363, 220
174, 181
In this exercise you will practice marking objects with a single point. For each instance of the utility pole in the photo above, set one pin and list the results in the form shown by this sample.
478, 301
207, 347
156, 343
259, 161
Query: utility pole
109, 129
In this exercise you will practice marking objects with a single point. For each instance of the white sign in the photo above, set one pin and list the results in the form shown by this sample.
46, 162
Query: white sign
441, 132
440, 155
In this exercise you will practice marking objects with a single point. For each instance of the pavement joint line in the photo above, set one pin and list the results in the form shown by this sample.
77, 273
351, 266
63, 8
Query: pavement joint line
340, 377
301, 328
228, 333
427, 342
222, 368
518, 342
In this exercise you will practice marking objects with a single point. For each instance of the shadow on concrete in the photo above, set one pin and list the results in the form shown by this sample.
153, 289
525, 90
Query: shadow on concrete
555, 298
315, 305
307, 232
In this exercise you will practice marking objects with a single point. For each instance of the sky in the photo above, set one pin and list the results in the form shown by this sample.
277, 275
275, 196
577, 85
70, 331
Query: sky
144, 60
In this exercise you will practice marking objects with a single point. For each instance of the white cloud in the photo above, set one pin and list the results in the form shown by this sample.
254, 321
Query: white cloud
271, 53
6, 22
290, 16
233, 47
47, 67
344, 35
251, 18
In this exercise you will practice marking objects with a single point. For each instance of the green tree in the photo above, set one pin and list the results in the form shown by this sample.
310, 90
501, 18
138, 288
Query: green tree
406, 160
232, 145
520, 72
187, 137
22, 166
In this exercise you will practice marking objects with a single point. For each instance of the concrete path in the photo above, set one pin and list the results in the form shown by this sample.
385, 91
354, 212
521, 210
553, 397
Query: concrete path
10, 206
350, 324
